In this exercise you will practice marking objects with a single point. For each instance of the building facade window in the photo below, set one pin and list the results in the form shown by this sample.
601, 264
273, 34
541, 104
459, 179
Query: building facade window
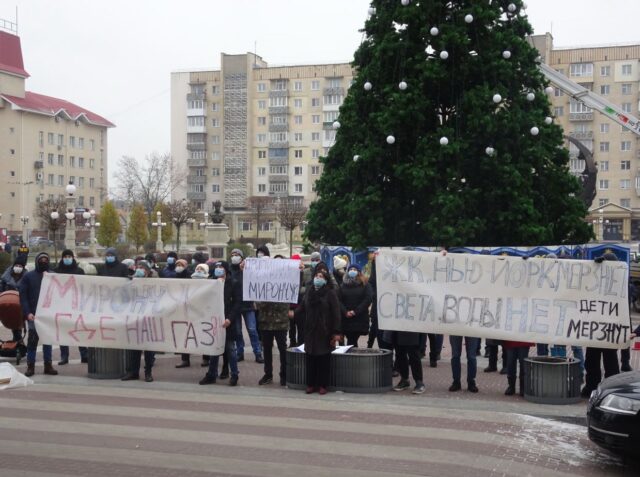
625, 203
215, 188
297, 153
215, 171
297, 171
604, 128
262, 104
603, 166
315, 136
315, 170
297, 188
297, 137
625, 146
262, 120
558, 111
262, 154
315, 102
315, 85
262, 87
625, 184
626, 70
605, 89
315, 153
297, 119
625, 165
603, 184
262, 188
625, 88
605, 71
297, 103
262, 171
581, 69
297, 86
604, 146
626, 107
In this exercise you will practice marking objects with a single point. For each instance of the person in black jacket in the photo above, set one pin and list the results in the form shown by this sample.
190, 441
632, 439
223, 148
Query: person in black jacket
10, 280
169, 271
29, 289
232, 304
355, 297
112, 266
68, 265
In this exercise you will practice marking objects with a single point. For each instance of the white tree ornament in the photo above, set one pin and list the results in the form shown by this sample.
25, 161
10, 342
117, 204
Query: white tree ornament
402, 85
444, 141
534, 131
497, 98
391, 139
444, 55
368, 86
506, 54
468, 18
434, 31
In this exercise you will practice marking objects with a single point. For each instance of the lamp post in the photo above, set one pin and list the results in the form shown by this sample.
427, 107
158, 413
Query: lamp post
159, 223
90, 217
55, 216
25, 221
70, 230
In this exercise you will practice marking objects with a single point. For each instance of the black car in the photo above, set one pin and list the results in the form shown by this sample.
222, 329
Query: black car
613, 413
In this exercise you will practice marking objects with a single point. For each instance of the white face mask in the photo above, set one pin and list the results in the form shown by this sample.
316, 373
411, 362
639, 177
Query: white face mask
199, 275
17, 270
179, 269
236, 260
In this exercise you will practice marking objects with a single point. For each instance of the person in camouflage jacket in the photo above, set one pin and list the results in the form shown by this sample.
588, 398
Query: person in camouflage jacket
273, 322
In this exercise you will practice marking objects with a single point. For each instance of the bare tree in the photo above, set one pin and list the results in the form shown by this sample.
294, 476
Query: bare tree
182, 212
258, 207
291, 212
150, 182
53, 225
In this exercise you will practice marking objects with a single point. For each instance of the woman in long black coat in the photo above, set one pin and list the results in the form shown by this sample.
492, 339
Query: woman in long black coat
355, 298
320, 310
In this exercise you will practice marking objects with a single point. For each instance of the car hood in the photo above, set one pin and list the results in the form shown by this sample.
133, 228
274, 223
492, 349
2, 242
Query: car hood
624, 382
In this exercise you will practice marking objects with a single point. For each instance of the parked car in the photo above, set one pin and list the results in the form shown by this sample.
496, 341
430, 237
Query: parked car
613, 413
40, 242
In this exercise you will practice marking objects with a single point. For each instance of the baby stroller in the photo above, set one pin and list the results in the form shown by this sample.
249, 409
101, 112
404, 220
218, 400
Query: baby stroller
11, 317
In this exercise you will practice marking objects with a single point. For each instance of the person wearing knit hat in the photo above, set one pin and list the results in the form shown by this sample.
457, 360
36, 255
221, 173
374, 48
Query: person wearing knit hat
68, 265
29, 290
182, 269
201, 271
112, 266
10, 280
169, 271
339, 269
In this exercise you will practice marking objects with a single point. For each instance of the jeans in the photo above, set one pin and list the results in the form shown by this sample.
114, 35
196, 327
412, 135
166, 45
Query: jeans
409, 356
317, 367
134, 356
250, 324
64, 352
32, 345
514, 356
230, 354
561, 351
471, 346
267, 346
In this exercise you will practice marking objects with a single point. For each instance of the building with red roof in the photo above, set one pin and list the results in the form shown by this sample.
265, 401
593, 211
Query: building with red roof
45, 143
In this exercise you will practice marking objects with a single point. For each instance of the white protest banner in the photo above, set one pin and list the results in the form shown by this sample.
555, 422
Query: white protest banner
154, 314
570, 302
275, 280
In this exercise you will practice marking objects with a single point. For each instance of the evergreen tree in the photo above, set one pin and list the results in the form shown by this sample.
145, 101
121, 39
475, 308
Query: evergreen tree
109, 225
445, 137
138, 232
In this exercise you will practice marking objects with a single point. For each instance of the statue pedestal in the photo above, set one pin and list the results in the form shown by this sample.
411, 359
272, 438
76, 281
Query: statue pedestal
217, 238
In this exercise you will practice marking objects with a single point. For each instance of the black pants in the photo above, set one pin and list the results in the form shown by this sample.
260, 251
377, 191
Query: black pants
267, 347
352, 339
625, 356
592, 366
493, 355
409, 356
317, 370
134, 356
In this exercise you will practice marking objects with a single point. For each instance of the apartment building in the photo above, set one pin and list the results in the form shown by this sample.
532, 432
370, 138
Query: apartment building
614, 73
45, 143
249, 130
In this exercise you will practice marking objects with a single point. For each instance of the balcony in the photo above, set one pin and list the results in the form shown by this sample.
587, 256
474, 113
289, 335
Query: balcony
196, 195
196, 96
580, 116
191, 179
581, 134
196, 162
196, 111
38, 164
331, 91
278, 161
199, 128
279, 145
284, 178
278, 109
278, 127
196, 146
280, 93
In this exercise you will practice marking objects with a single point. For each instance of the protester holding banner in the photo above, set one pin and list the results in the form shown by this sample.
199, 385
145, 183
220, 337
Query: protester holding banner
471, 346
143, 270
10, 280
182, 271
273, 322
29, 289
169, 271
355, 298
320, 310
112, 266
517, 351
69, 266
232, 305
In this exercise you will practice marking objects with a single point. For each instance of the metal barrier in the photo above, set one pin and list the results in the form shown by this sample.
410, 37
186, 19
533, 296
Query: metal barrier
552, 380
358, 371
106, 363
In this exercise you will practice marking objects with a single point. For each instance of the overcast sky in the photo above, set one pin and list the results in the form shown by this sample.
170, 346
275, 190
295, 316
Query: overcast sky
114, 57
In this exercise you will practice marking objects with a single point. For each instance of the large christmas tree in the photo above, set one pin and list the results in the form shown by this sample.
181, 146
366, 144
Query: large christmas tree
446, 137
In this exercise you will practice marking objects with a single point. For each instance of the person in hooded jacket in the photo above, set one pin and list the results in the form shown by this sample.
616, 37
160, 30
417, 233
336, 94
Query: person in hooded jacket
169, 271
112, 266
232, 305
69, 266
355, 298
29, 289
10, 280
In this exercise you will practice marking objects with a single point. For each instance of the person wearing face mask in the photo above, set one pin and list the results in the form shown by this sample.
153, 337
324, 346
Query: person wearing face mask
112, 266
130, 263
10, 280
339, 269
232, 304
182, 271
196, 260
201, 272
169, 271
320, 309
355, 296
68, 265
262, 251
134, 356
151, 260
29, 289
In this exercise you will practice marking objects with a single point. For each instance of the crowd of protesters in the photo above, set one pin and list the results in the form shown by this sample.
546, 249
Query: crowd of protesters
333, 308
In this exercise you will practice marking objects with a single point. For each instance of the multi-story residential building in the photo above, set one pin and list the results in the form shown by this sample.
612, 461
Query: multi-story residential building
614, 73
249, 130
45, 143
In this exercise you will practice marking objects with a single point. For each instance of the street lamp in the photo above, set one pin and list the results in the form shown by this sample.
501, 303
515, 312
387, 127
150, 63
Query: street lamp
90, 217
55, 216
25, 220
70, 230
159, 223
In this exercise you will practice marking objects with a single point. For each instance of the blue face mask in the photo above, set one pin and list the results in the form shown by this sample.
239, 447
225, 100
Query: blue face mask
219, 272
139, 273
67, 261
314, 264
110, 259
352, 273
171, 260
319, 282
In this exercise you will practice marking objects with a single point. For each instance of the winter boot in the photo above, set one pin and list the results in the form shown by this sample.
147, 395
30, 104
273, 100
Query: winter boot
511, 389
49, 369
31, 369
